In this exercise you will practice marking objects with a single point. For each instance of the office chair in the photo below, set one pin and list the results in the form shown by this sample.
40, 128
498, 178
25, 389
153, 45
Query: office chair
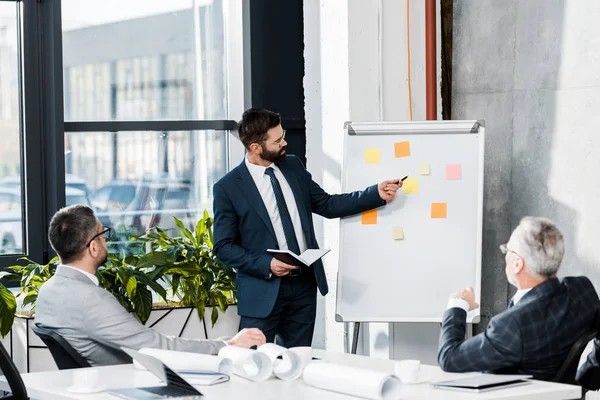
566, 373
11, 373
65, 356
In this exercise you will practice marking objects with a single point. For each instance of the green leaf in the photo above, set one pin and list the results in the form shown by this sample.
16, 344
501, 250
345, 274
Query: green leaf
131, 287
186, 232
200, 308
214, 316
142, 304
154, 258
8, 306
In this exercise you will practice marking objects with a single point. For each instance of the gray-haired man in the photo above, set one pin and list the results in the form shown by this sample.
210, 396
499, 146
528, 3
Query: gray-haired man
544, 318
89, 317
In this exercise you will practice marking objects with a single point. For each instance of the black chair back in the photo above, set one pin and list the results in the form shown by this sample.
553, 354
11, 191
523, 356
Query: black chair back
65, 356
13, 377
568, 370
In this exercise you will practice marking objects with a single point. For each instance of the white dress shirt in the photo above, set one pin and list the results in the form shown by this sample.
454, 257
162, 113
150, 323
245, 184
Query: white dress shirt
460, 303
93, 278
263, 183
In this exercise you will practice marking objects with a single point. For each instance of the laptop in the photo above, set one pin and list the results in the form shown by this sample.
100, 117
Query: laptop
176, 387
483, 383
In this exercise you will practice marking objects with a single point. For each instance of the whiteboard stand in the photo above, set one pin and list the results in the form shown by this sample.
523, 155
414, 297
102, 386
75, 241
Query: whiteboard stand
437, 254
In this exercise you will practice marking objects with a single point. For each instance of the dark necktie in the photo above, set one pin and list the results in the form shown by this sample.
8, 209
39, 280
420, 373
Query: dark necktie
284, 213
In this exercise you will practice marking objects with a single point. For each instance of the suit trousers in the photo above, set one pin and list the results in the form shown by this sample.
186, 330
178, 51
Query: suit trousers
292, 320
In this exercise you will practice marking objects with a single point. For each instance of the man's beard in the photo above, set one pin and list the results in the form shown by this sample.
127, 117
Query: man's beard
102, 261
276, 157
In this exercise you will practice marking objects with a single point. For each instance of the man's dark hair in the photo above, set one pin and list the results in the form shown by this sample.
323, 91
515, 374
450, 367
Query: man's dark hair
71, 228
255, 123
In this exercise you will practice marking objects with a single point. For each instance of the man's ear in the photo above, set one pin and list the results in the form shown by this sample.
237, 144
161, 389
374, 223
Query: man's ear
255, 148
519, 264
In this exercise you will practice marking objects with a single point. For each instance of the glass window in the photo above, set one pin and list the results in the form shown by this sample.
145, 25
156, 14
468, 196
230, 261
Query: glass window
11, 227
143, 179
151, 60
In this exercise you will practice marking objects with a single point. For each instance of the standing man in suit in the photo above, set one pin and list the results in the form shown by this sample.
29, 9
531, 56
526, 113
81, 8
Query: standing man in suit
267, 202
544, 318
89, 317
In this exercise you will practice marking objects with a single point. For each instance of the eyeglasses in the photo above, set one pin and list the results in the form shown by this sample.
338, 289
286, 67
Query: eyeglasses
280, 140
106, 231
505, 250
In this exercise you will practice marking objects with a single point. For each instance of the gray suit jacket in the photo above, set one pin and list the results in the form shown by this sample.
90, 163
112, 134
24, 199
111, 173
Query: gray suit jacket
93, 321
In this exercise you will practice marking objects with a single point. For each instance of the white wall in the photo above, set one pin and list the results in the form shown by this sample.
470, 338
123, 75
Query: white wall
356, 69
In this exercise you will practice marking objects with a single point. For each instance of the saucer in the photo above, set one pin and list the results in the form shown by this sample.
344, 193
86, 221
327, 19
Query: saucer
86, 390
421, 380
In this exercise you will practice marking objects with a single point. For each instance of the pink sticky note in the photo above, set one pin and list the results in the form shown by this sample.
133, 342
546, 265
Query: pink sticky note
454, 172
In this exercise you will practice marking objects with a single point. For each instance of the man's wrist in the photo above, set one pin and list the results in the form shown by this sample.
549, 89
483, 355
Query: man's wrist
454, 302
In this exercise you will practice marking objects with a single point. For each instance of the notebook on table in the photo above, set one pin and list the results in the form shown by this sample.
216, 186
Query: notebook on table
483, 383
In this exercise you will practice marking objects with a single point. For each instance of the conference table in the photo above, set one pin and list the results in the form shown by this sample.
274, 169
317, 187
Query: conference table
52, 385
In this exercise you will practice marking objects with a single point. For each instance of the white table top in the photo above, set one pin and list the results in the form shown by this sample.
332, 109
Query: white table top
52, 385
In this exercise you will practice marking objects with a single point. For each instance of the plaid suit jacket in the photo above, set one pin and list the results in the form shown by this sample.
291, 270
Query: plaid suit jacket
533, 337
588, 375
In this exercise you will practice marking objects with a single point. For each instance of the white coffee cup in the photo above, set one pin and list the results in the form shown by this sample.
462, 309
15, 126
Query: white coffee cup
408, 370
86, 378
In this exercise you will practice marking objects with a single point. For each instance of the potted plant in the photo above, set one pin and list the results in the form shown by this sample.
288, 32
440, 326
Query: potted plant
182, 271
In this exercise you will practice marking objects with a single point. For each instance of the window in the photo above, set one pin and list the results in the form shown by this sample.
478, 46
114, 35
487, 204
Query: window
148, 111
11, 219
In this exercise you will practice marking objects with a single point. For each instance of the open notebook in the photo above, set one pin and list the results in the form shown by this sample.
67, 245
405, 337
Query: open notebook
305, 259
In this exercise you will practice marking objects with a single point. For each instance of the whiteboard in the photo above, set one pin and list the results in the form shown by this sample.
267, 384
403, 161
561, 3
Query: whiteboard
382, 279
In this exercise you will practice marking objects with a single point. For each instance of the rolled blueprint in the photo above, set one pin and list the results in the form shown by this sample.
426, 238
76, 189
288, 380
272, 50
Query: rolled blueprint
289, 367
353, 381
180, 361
247, 363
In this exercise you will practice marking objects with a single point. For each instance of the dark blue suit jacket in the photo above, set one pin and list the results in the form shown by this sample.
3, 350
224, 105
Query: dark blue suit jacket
533, 337
243, 229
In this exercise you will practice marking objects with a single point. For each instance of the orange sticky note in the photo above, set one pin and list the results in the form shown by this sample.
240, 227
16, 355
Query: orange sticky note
369, 217
402, 149
454, 172
438, 210
372, 156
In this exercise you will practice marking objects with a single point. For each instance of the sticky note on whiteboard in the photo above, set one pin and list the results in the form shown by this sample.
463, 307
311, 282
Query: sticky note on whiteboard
397, 233
453, 172
410, 185
402, 149
372, 156
439, 210
369, 217
424, 168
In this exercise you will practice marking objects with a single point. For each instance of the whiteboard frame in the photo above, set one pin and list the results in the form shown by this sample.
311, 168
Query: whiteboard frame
414, 128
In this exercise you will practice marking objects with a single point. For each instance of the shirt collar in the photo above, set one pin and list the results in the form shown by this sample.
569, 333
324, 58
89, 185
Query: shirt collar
519, 295
258, 170
93, 278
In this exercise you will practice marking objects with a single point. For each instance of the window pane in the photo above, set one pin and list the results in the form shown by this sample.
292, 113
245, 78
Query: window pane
11, 227
137, 180
150, 60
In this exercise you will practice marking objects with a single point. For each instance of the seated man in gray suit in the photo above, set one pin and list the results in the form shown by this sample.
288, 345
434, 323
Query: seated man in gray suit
544, 318
90, 318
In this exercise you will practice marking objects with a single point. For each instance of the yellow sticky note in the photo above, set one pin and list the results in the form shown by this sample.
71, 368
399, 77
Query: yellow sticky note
369, 217
411, 185
424, 168
439, 210
372, 156
402, 149
397, 233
